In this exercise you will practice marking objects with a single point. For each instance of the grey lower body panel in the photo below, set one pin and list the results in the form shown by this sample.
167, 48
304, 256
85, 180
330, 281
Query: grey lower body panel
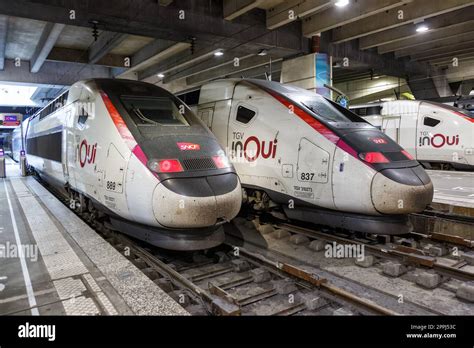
181, 240
383, 225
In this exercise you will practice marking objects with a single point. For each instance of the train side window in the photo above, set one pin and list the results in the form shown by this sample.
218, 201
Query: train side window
430, 122
245, 115
83, 116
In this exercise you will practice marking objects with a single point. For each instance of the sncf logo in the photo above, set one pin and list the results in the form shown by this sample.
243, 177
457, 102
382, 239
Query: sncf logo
86, 153
379, 140
188, 146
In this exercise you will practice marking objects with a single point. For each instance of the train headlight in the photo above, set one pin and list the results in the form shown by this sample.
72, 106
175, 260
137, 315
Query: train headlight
221, 161
373, 157
165, 166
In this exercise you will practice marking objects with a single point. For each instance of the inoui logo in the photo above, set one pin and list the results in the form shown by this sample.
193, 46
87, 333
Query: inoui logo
86, 153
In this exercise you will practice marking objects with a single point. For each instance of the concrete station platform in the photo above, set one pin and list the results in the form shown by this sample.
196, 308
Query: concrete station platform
453, 188
65, 267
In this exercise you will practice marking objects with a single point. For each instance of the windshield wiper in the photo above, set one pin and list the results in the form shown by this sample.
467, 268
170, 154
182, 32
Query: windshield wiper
142, 117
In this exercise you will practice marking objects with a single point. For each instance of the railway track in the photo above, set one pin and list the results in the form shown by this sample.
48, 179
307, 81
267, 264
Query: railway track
402, 253
232, 280
248, 284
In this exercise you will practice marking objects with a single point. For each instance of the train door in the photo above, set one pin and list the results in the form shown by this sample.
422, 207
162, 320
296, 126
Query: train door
253, 138
432, 144
70, 148
114, 175
312, 170
242, 141
65, 147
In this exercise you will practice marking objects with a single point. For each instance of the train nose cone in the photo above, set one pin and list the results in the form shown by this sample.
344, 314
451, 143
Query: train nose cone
401, 191
197, 202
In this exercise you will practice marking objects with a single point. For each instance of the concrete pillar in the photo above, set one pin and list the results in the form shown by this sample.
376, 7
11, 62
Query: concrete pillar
310, 72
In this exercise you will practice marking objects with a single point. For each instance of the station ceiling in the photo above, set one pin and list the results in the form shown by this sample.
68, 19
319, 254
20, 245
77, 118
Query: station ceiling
55, 43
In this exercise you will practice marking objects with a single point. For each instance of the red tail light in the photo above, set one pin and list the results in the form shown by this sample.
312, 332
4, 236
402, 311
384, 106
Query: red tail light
407, 155
373, 157
221, 161
165, 166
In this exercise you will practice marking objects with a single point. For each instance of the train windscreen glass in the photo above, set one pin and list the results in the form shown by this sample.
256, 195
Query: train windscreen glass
152, 110
330, 111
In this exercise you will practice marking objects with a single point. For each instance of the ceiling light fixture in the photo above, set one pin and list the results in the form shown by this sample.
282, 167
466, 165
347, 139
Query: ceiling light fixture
422, 28
342, 3
263, 52
218, 53
161, 75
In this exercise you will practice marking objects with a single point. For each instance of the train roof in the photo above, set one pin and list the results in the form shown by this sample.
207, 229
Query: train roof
223, 89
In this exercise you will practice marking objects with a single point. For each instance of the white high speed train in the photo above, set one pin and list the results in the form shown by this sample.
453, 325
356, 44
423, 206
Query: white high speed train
138, 155
315, 160
437, 135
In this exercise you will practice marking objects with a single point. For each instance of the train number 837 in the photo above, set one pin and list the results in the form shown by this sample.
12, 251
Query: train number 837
307, 176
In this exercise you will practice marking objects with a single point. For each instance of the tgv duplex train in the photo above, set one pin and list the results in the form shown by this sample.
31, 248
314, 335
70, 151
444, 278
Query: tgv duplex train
316, 160
437, 135
135, 152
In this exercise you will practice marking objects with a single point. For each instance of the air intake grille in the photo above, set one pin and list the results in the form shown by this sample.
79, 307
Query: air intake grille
199, 163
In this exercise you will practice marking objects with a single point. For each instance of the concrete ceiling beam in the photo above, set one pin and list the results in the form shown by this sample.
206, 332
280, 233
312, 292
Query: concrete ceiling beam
334, 16
459, 40
52, 73
69, 55
106, 42
443, 61
448, 51
236, 8
203, 20
177, 61
228, 69
407, 31
422, 39
289, 11
154, 52
389, 19
45, 44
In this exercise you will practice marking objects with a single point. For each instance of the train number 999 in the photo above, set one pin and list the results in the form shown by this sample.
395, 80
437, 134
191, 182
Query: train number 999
111, 185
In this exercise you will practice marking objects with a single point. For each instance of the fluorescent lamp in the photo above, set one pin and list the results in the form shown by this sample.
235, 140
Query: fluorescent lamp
421, 28
342, 3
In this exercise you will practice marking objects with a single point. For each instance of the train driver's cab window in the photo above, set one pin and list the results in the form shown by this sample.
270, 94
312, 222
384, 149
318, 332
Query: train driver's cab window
153, 110
430, 122
245, 115
83, 116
